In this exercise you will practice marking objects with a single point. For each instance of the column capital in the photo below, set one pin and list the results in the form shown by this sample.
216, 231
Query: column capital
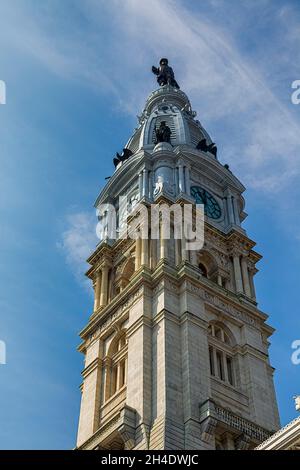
107, 361
252, 268
235, 251
106, 264
97, 271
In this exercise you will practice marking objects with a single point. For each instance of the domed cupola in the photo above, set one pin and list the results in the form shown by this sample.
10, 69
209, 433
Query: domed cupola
171, 106
171, 155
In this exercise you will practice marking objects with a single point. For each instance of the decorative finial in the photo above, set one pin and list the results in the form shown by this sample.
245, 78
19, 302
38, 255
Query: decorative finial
165, 74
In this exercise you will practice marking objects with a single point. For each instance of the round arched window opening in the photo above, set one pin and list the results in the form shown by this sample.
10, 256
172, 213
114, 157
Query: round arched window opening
221, 355
202, 269
117, 376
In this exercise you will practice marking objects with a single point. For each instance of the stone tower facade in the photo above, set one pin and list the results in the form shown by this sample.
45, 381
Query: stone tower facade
176, 349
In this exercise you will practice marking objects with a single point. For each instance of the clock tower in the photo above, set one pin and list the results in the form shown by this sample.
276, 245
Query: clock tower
176, 348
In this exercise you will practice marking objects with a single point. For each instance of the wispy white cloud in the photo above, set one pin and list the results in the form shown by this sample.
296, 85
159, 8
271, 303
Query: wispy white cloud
77, 243
110, 46
113, 44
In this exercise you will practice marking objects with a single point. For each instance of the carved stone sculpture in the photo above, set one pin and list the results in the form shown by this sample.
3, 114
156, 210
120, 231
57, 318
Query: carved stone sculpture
163, 133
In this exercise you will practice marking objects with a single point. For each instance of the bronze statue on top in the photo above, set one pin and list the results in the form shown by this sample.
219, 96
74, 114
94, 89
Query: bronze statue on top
165, 74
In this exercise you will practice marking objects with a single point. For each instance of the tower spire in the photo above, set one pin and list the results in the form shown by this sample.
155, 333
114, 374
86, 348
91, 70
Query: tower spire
176, 350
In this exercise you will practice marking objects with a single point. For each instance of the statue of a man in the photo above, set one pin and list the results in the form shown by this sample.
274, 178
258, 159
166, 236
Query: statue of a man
163, 133
165, 74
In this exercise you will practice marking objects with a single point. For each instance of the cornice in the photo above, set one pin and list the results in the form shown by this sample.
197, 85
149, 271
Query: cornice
103, 250
188, 271
203, 162
122, 301
213, 295
122, 175
96, 363
114, 423
284, 438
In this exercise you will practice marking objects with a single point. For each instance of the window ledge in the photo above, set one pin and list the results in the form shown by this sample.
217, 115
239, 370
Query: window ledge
114, 396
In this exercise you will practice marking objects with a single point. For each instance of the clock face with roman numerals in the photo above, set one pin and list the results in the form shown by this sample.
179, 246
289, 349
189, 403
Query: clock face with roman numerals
211, 207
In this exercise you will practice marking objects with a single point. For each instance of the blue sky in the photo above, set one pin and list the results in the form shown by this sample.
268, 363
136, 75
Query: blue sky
77, 74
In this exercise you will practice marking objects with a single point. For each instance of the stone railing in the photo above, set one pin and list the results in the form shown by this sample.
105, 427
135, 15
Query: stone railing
209, 410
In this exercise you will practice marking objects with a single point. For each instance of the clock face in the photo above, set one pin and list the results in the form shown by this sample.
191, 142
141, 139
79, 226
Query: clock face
211, 207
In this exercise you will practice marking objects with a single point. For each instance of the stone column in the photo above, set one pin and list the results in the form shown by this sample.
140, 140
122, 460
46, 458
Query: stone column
145, 252
220, 280
118, 378
224, 204
215, 362
177, 252
252, 271
111, 284
177, 178
181, 178
184, 251
194, 258
153, 253
237, 273
150, 184
225, 371
104, 285
97, 290
145, 183
138, 245
187, 180
141, 184
163, 243
236, 211
125, 371
107, 378
245, 275
230, 208
228, 441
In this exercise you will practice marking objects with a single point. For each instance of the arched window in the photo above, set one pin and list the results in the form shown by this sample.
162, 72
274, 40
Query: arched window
123, 276
202, 269
207, 265
116, 375
221, 356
